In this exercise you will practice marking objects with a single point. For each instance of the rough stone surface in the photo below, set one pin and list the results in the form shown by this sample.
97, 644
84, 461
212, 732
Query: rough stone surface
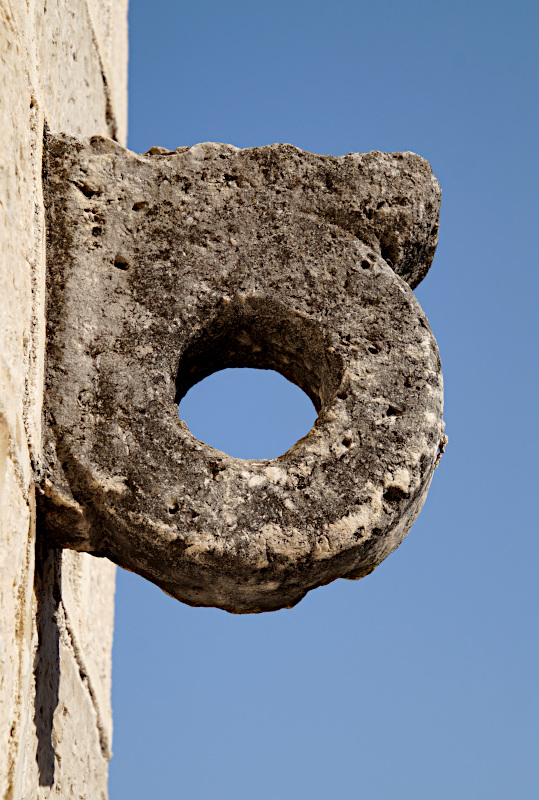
56, 69
166, 267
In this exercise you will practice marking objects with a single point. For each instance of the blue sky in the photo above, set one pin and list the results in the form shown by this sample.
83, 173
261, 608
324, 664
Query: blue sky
420, 681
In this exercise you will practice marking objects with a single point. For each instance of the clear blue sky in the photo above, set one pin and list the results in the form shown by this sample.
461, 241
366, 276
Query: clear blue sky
420, 681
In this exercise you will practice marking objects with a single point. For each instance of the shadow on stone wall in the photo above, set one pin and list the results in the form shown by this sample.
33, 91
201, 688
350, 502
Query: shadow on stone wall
47, 585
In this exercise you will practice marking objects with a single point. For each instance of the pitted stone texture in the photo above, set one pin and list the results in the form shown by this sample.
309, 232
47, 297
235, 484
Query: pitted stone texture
164, 268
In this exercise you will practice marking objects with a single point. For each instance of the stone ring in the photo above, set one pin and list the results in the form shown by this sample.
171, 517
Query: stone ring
168, 267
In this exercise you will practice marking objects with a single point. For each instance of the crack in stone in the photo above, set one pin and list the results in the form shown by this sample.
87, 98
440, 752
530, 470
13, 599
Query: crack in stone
72, 644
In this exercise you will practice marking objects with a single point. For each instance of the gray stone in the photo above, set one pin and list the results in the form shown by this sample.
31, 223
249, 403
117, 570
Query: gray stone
167, 267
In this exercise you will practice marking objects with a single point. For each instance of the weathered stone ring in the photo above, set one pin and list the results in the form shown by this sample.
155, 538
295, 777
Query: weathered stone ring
167, 267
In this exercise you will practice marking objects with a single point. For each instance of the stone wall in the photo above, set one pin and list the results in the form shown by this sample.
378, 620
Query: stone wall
63, 64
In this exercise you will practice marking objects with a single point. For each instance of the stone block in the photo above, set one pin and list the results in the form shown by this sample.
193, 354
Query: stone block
87, 597
109, 19
19, 428
71, 71
50, 72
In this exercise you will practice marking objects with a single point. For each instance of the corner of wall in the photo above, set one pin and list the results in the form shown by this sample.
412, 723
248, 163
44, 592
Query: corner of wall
62, 63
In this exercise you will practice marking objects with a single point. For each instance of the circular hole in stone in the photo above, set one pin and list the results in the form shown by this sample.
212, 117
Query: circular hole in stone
248, 413
273, 349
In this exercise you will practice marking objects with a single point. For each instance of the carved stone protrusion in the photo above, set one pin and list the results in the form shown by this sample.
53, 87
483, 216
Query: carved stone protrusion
166, 267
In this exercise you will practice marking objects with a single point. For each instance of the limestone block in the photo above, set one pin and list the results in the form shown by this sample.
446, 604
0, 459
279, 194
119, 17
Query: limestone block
71, 71
16, 578
19, 429
19, 227
109, 19
71, 745
50, 71
66, 748
80, 766
87, 597
68, 760
166, 267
